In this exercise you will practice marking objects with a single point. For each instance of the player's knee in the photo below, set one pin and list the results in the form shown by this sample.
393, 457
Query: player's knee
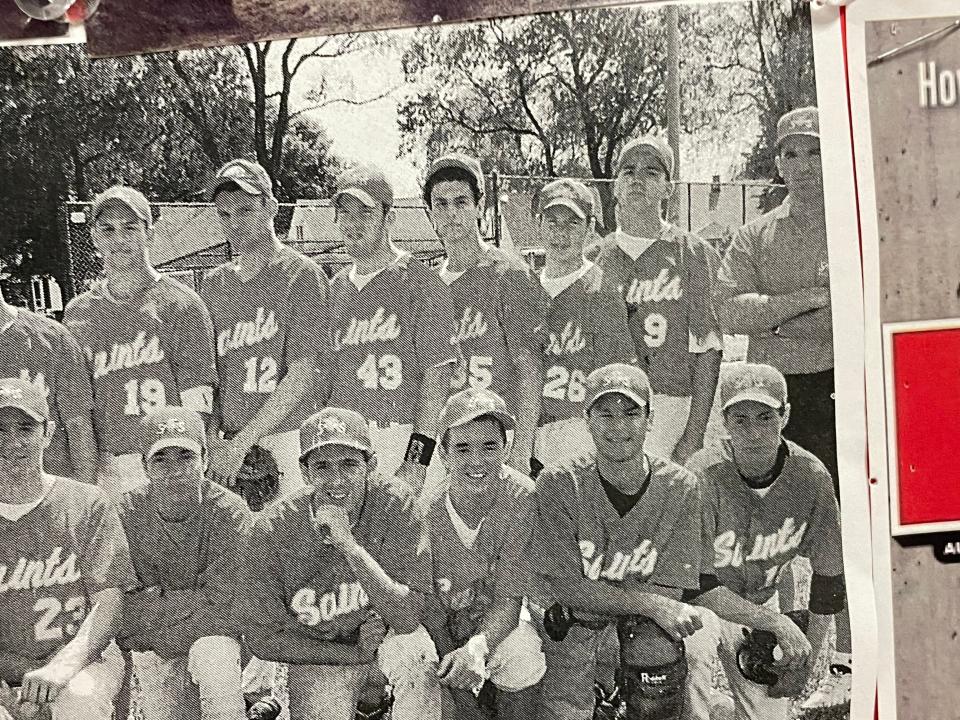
518, 661
404, 657
213, 661
84, 697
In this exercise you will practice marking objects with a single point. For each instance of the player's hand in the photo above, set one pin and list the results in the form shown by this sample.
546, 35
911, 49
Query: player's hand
45, 683
677, 619
685, 449
227, 459
414, 474
461, 669
372, 632
793, 644
332, 525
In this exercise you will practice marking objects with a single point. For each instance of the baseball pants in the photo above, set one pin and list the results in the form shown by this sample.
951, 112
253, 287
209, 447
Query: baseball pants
118, 474
567, 689
562, 441
813, 418
91, 692
670, 416
331, 692
719, 638
206, 679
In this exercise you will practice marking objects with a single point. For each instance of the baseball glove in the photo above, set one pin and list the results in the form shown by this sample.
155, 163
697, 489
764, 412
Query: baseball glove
757, 660
258, 479
653, 669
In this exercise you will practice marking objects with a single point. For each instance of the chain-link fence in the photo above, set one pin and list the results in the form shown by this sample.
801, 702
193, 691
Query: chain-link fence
188, 240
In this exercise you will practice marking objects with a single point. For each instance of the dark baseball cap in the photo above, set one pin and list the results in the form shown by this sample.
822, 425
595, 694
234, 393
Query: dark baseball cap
460, 161
335, 426
171, 427
752, 381
619, 378
249, 176
654, 145
366, 183
568, 193
130, 198
802, 121
24, 396
468, 405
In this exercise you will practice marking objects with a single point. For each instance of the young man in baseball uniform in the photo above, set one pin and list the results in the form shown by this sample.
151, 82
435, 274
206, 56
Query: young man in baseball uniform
392, 327
666, 277
765, 501
187, 540
270, 316
147, 338
616, 537
40, 350
64, 564
586, 323
500, 308
337, 573
479, 532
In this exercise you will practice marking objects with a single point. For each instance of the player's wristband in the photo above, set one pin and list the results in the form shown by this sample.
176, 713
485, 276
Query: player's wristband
420, 449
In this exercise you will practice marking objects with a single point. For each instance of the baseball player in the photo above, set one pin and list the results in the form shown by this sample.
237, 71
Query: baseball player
479, 531
40, 350
765, 501
270, 316
187, 537
500, 309
337, 572
392, 327
586, 324
147, 338
616, 540
666, 277
64, 564
774, 285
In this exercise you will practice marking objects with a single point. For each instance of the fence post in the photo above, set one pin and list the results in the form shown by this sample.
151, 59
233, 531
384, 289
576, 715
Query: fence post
70, 291
495, 189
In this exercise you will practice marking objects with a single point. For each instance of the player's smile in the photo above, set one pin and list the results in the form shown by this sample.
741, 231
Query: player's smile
618, 426
474, 455
338, 475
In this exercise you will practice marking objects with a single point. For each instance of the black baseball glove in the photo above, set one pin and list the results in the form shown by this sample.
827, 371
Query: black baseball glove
758, 662
258, 480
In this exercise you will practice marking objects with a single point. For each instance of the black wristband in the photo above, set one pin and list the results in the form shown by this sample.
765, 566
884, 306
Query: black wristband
420, 449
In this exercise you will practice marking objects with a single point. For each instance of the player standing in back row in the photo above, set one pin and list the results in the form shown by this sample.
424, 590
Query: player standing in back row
392, 327
666, 277
269, 310
500, 308
586, 324
147, 338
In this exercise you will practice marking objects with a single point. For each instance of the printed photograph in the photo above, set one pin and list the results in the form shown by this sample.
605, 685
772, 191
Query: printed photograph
479, 370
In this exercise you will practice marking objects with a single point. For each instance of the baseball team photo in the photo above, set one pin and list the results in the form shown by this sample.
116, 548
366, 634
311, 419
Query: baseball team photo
469, 371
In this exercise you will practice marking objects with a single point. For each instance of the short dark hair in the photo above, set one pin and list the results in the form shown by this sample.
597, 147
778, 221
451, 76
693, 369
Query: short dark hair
451, 174
445, 440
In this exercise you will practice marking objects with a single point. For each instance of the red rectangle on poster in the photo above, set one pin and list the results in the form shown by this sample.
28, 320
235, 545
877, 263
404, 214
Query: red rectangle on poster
926, 376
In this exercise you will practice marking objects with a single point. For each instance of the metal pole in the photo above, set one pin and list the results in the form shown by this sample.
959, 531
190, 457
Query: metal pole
495, 182
673, 99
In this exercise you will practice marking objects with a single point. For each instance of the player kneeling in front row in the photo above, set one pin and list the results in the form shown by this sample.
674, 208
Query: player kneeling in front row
187, 539
479, 531
765, 501
64, 564
337, 572
616, 541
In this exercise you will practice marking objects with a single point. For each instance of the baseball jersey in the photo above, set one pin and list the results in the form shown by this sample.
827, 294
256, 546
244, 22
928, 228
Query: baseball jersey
496, 566
577, 531
386, 336
263, 325
499, 312
141, 353
668, 291
202, 555
586, 329
296, 583
751, 536
777, 254
52, 561
40, 350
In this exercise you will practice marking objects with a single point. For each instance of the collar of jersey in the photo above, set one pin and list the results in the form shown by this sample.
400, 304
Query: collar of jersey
555, 286
632, 245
